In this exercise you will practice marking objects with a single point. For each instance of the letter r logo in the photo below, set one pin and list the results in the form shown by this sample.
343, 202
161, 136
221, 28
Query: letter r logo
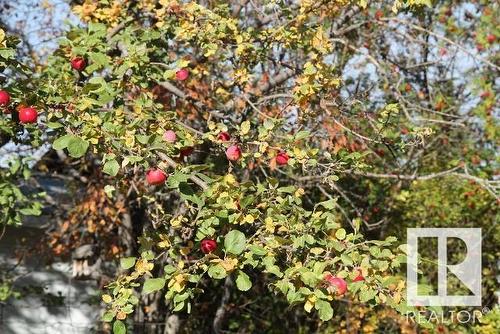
468, 271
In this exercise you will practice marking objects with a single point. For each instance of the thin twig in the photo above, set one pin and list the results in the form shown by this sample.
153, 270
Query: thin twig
173, 164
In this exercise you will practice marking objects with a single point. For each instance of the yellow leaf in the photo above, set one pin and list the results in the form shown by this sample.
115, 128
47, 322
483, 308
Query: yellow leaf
107, 299
245, 128
317, 250
229, 264
177, 221
282, 229
263, 147
299, 192
269, 225
230, 179
143, 266
130, 138
321, 42
309, 304
3, 42
248, 219
397, 297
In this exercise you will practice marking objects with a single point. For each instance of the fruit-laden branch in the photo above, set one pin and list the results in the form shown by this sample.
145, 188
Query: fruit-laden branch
173, 164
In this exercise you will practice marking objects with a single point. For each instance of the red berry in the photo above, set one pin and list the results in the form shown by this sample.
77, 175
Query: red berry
360, 277
378, 14
78, 63
156, 177
282, 158
486, 94
170, 136
4, 98
338, 283
28, 115
182, 74
233, 153
208, 246
491, 38
224, 136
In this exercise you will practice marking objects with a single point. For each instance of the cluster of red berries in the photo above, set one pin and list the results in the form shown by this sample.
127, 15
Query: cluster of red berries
79, 64
27, 115
233, 153
339, 284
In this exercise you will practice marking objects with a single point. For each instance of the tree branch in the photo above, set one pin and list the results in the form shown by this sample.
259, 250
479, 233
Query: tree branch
173, 164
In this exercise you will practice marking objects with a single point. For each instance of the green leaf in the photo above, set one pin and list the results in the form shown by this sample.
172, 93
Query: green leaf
177, 178
153, 284
243, 282
287, 190
375, 251
169, 74
217, 271
346, 259
258, 250
301, 135
325, 310
34, 211
340, 234
77, 147
246, 201
367, 295
179, 306
111, 167
108, 316
133, 300
54, 125
127, 262
62, 142
268, 124
309, 278
235, 242
169, 269
187, 193
109, 189
330, 204
119, 327
283, 286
